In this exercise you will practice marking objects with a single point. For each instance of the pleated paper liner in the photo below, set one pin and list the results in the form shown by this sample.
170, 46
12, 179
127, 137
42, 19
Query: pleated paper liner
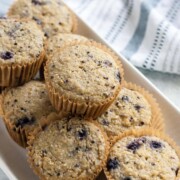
36, 132
157, 120
140, 133
63, 102
75, 22
17, 74
20, 134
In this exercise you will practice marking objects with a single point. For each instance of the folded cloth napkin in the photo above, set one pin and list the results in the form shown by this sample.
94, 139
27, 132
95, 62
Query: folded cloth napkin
146, 32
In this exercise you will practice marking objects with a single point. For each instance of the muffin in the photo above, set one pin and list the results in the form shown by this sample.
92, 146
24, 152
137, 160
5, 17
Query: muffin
133, 108
60, 40
69, 148
52, 17
24, 108
21, 51
143, 154
83, 78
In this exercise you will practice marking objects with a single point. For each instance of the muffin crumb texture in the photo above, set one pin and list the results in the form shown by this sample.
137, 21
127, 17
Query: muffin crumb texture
84, 72
24, 106
69, 149
145, 157
51, 16
60, 40
129, 110
20, 41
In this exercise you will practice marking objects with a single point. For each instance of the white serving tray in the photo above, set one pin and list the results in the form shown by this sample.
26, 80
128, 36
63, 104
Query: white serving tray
13, 158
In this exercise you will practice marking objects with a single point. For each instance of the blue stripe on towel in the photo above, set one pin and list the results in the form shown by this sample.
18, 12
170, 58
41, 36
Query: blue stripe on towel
139, 33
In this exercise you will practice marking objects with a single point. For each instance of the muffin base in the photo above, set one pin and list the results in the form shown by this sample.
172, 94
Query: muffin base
62, 102
20, 134
38, 173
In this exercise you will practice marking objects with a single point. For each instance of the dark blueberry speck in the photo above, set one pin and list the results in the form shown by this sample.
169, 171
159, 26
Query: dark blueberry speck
76, 165
44, 127
25, 121
118, 76
82, 134
134, 145
7, 55
112, 164
125, 98
177, 170
36, 2
46, 34
155, 145
38, 21
107, 63
127, 178
105, 122
44, 152
92, 141
23, 109
137, 107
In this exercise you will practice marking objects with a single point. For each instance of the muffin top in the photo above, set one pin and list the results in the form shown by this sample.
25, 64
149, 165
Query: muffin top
20, 41
84, 72
61, 39
70, 148
51, 15
129, 110
146, 157
24, 106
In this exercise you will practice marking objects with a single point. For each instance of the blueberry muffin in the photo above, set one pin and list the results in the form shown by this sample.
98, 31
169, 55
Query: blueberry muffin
69, 148
21, 51
133, 108
143, 155
24, 108
52, 17
83, 78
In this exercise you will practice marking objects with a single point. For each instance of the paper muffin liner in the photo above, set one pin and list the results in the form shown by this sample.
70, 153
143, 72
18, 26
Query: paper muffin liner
140, 133
63, 102
17, 74
35, 133
75, 22
157, 120
20, 134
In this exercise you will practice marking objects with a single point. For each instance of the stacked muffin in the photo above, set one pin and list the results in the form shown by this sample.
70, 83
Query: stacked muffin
84, 117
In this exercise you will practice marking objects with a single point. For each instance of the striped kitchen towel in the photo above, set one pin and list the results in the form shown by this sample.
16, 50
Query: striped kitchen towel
146, 32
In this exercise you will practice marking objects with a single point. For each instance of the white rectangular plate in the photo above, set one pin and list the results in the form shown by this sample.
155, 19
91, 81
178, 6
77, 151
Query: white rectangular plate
13, 159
